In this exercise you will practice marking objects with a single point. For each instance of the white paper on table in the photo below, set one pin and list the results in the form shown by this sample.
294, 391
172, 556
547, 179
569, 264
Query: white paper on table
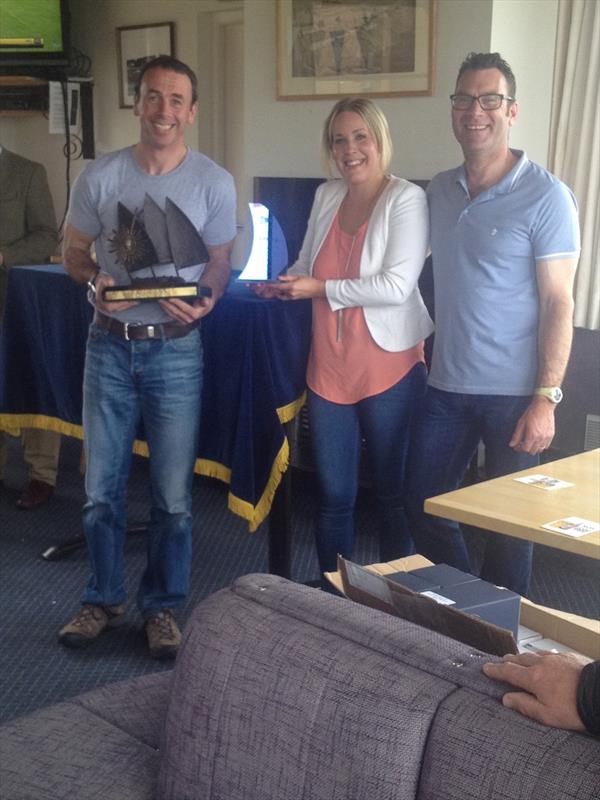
572, 526
544, 482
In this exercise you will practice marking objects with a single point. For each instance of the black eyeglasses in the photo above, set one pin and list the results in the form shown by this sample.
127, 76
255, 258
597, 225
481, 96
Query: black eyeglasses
488, 102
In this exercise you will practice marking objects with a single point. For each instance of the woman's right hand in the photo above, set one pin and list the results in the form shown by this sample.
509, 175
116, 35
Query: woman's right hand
292, 287
268, 291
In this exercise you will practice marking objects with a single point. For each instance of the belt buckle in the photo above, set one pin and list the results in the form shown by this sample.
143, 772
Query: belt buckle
150, 330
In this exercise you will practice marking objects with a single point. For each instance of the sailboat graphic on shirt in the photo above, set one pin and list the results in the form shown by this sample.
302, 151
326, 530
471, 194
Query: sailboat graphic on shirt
163, 242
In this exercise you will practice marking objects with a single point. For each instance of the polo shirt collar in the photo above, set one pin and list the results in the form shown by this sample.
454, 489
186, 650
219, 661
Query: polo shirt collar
505, 185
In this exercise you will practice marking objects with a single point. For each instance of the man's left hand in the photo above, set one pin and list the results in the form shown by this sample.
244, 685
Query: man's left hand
535, 429
184, 312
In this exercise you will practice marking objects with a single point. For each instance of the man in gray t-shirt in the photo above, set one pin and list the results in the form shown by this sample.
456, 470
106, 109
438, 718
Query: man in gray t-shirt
155, 210
505, 243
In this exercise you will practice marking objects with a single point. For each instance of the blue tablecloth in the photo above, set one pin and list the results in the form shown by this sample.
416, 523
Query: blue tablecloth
255, 354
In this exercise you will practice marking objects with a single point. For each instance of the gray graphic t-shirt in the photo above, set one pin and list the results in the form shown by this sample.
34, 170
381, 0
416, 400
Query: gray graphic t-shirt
142, 223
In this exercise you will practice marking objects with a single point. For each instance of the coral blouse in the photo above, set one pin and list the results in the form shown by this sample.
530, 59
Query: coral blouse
345, 364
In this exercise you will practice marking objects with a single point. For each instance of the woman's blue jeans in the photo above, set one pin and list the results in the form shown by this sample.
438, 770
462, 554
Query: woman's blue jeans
160, 383
337, 431
445, 437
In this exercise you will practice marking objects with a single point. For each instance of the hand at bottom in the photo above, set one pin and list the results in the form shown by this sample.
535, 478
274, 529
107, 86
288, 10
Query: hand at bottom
549, 682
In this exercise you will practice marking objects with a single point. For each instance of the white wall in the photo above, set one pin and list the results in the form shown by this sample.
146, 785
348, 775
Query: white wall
420, 126
524, 31
94, 32
281, 138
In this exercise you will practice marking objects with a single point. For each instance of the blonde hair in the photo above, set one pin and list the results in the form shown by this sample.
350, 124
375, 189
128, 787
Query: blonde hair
375, 121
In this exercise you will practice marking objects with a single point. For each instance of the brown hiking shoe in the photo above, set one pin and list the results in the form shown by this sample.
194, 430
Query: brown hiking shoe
164, 636
89, 623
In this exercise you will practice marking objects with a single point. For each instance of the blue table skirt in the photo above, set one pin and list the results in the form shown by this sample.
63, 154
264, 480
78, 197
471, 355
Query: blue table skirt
255, 354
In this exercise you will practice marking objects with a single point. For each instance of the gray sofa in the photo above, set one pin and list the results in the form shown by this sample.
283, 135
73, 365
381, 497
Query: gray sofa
282, 692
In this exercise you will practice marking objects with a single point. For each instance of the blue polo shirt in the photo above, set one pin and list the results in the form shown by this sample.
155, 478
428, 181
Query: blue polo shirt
484, 262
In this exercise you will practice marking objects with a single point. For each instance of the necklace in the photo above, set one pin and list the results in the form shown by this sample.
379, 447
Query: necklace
340, 311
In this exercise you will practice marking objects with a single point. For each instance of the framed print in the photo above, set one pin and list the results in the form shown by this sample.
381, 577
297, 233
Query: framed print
331, 48
137, 44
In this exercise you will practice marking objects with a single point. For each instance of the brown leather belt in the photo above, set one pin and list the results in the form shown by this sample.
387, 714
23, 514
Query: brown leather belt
137, 333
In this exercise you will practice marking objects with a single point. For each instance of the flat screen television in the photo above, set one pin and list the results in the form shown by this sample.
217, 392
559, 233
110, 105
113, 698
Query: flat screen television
34, 36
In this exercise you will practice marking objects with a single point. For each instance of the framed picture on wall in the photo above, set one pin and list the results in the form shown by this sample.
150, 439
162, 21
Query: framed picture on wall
137, 44
331, 48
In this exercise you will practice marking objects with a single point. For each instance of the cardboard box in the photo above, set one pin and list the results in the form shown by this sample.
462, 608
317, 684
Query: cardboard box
464, 592
579, 634
429, 609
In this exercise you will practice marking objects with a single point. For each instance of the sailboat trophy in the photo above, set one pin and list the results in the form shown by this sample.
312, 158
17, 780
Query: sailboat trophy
160, 243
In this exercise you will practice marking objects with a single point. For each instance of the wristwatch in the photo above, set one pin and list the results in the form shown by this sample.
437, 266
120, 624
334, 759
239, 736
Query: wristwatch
552, 393
92, 281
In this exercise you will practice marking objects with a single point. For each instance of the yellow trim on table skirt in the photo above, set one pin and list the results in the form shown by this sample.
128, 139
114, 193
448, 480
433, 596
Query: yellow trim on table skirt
287, 413
14, 423
254, 515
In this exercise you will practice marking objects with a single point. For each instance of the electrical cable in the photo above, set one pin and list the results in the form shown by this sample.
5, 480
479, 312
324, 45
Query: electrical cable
67, 152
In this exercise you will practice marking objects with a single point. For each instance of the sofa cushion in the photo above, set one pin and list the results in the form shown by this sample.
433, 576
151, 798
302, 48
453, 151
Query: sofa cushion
504, 755
65, 752
281, 691
103, 744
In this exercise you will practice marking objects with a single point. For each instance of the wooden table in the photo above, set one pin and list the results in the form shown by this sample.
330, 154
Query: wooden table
504, 505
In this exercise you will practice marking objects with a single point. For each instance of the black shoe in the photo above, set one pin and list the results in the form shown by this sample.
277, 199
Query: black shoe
35, 495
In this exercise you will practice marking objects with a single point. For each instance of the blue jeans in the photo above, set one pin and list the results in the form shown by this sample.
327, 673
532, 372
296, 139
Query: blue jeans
445, 437
337, 431
160, 383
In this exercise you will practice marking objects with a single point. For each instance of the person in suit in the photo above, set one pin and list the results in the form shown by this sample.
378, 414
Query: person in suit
28, 235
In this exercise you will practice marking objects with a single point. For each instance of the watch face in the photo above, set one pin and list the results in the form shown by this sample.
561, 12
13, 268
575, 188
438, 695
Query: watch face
553, 393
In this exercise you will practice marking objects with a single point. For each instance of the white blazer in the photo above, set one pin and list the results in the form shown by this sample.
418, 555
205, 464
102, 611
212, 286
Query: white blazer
392, 258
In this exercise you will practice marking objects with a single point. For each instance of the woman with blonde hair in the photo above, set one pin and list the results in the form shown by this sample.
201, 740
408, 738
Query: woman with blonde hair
363, 251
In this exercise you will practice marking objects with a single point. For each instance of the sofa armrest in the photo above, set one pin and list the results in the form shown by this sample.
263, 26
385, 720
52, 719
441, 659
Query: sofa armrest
478, 748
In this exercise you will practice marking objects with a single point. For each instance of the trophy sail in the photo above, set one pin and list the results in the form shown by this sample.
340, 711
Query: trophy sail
156, 225
187, 246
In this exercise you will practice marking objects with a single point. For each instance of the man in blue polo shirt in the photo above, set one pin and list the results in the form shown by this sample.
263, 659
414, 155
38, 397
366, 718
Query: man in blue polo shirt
505, 244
